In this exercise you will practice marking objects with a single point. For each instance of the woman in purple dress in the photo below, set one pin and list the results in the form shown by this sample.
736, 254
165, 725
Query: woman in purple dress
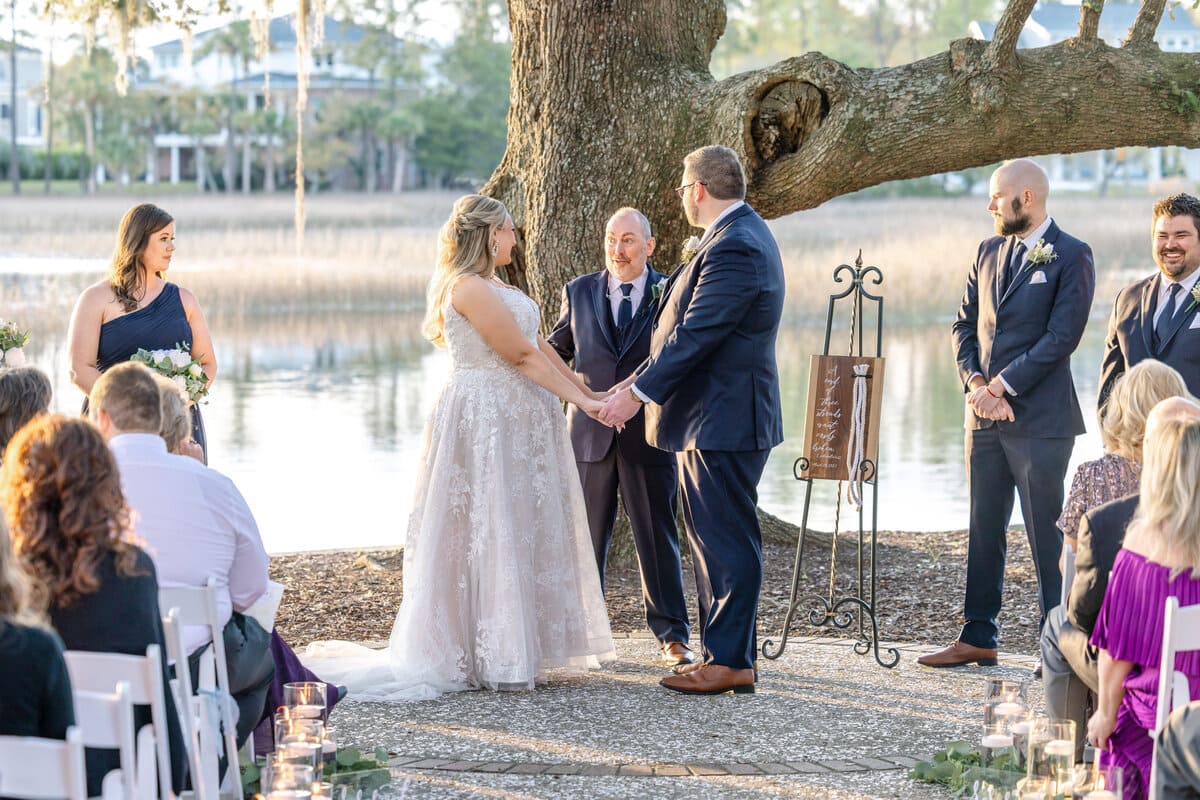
1159, 558
134, 308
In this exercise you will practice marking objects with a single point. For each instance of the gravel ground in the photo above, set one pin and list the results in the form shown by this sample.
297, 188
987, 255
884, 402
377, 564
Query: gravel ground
354, 594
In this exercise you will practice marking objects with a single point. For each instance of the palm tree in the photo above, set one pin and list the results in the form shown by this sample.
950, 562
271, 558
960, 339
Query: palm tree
87, 87
235, 42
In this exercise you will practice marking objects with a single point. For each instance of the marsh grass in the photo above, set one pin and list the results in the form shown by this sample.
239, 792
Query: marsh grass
373, 253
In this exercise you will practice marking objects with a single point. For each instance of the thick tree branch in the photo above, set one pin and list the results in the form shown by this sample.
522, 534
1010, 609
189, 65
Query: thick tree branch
1003, 49
1089, 19
1146, 23
945, 113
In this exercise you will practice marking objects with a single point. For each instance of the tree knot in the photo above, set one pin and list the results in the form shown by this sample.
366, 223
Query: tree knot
786, 116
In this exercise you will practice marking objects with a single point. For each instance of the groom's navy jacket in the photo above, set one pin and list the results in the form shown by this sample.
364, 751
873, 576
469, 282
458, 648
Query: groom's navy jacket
712, 373
1027, 333
1131, 336
586, 335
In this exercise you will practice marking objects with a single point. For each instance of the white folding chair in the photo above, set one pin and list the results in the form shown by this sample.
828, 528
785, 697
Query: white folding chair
1068, 572
106, 721
43, 769
1181, 632
100, 672
198, 606
202, 750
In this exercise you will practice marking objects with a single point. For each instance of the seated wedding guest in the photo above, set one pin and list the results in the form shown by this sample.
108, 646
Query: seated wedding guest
194, 523
1159, 558
35, 689
176, 431
24, 393
1121, 429
1179, 755
70, 530
1069, 663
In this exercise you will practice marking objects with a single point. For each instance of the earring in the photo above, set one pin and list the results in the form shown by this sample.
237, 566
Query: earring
495, 248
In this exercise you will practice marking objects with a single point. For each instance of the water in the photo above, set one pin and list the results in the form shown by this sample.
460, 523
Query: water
318, 418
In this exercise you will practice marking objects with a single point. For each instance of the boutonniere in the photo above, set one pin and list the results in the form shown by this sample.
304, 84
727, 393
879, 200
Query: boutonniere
690, 248
1195, 298
1041, 253
657, 289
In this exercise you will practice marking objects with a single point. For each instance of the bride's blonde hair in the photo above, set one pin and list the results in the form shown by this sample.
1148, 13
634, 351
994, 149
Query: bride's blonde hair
465, 245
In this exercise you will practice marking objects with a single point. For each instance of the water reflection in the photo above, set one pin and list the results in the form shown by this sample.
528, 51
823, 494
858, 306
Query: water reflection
318, 418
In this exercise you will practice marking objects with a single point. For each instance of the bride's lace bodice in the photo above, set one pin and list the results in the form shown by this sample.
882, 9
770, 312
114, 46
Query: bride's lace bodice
467, 348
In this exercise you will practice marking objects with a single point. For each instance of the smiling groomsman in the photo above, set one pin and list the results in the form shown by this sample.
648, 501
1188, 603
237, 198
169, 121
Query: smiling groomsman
1156, 317
604, 331
1027, 301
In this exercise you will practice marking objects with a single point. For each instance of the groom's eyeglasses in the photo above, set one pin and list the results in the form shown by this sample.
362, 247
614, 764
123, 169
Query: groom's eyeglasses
680, 190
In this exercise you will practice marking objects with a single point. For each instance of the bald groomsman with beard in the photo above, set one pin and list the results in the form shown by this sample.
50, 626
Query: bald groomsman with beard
1157, 316
1026, 304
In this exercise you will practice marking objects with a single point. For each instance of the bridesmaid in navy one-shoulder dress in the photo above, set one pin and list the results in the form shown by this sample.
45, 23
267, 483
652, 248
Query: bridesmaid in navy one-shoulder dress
160, 325
134, 308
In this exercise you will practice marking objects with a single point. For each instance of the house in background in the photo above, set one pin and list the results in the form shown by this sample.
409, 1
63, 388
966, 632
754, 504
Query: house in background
267, 84
1051, 23
29, 107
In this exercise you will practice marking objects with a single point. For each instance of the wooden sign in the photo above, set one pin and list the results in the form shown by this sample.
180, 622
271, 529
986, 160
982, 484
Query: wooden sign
830, 415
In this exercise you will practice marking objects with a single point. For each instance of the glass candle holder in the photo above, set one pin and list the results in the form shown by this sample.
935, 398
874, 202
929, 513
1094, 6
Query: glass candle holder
1098, 783
1050, 770
1004, 702
283, 780
306, 699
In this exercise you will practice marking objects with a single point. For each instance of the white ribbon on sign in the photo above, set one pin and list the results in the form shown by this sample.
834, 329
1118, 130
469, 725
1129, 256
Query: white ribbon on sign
858, 428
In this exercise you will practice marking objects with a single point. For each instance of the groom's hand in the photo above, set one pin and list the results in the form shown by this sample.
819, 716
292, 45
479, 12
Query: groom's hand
620, 408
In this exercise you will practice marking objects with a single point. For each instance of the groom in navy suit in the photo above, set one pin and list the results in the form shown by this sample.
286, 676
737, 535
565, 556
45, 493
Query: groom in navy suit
1159, 317
604, 332
711, 391
1027, 302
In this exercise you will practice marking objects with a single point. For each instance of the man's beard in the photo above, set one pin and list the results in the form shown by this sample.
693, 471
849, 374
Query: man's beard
1018, 224
1180, 268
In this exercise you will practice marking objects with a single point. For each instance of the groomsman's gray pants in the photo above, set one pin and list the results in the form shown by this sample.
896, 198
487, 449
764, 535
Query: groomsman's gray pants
1179, 755
1069, 670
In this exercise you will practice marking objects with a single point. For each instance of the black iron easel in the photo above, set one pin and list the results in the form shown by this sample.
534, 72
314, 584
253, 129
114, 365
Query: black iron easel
829, 610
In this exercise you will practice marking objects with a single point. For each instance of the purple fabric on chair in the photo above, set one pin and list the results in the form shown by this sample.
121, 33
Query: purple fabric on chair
1130, 629
288, 669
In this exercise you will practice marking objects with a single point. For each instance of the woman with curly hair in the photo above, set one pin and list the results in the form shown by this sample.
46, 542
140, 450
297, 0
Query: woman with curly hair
69, 524
135, 308
35, 690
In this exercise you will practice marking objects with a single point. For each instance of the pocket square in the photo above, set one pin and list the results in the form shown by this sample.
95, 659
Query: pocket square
1038, 277
1195, 323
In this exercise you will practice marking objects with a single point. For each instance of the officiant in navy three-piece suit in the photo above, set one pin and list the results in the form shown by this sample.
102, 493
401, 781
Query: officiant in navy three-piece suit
604, 332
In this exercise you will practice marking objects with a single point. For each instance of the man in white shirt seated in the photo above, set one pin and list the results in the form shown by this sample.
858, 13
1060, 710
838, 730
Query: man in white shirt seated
194, 523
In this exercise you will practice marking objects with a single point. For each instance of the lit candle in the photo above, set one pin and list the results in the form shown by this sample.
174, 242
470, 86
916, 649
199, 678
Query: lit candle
997, 740
1020, 728
1009, 710
1060, 747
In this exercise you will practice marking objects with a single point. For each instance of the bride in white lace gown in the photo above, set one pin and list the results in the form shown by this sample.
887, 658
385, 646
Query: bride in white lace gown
500, 583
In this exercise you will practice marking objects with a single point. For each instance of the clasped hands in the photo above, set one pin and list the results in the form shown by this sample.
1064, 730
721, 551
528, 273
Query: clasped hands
988, 401
616, 406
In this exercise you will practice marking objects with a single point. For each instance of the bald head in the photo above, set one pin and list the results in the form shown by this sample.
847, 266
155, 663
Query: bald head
1018, 193
627, 244
1170, 409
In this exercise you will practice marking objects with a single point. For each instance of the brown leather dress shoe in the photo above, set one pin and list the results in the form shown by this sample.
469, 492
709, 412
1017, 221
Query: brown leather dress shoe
677, 653
960, 654
711, 679
685, 669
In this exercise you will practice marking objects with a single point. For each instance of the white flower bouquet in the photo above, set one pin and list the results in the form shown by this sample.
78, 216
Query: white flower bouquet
12, 340
179, 366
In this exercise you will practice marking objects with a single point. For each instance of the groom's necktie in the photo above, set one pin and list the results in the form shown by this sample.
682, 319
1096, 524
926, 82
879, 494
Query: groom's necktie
625, 307
1014, 264
1168, 314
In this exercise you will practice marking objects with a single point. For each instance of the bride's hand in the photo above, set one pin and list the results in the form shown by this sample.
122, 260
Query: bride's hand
592, 408
599, 397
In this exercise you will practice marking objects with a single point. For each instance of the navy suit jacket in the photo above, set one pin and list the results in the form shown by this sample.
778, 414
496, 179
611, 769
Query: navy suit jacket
1131, 337
711, 373
1027, 334
586, 336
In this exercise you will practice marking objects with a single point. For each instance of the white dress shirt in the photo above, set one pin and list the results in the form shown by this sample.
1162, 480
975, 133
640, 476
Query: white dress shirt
1164, 293
194, 523
615, 296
